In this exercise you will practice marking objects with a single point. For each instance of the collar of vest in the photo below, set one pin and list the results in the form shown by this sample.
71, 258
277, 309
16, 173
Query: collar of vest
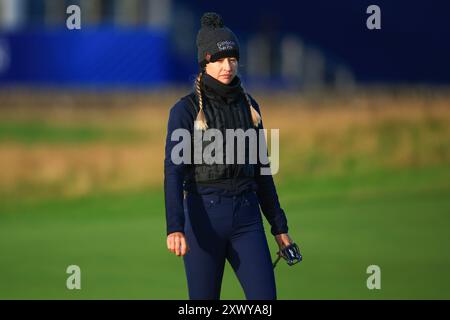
214, 88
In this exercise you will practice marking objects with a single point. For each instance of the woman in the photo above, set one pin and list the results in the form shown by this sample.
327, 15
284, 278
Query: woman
212, 210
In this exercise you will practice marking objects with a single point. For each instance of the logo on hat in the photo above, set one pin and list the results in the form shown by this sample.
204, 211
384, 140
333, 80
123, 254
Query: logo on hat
226, 45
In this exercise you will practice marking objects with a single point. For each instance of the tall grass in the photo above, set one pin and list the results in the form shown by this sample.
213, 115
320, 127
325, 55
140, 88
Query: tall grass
76, 143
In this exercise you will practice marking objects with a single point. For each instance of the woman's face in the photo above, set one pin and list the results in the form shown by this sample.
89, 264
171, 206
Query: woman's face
224, 69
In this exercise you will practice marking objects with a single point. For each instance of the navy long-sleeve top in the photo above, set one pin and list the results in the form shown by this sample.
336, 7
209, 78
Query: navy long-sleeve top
182, 116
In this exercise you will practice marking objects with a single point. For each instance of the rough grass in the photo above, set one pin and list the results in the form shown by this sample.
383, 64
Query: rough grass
75, 144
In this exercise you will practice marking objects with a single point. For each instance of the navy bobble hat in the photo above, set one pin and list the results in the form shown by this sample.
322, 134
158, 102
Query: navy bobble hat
214, 40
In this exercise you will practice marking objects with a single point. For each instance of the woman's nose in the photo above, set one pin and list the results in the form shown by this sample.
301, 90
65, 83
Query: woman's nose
227, 64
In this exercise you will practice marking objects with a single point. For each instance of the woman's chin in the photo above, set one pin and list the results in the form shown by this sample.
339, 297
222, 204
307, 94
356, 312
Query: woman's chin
226, 80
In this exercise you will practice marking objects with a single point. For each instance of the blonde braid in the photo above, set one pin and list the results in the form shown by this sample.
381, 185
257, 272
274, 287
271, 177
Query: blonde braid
256, 118
200, 121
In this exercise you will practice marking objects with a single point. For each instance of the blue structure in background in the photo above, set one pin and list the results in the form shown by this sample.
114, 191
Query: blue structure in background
102, 56
412, 46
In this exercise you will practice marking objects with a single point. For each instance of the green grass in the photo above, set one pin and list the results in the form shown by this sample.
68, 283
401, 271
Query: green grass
32, 132
398, 220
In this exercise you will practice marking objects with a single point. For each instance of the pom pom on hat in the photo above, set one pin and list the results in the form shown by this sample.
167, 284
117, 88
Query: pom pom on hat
211, 20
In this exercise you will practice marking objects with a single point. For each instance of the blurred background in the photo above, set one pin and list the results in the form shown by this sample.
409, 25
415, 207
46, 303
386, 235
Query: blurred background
364, 119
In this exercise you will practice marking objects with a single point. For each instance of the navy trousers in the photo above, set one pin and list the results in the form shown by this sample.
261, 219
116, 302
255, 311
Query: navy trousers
220, 228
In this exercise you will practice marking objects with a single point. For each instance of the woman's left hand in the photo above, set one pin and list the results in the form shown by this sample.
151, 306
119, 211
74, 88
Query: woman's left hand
283, 240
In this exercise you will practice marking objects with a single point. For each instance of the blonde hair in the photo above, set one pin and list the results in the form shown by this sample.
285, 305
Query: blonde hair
200, 121
256, 118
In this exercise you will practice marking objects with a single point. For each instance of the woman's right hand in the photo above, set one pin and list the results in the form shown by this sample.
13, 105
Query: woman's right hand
176, 242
